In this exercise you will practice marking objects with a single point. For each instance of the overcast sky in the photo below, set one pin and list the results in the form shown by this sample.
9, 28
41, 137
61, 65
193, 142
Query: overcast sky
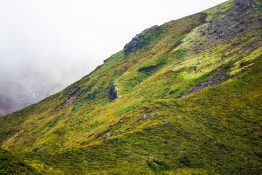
45, 44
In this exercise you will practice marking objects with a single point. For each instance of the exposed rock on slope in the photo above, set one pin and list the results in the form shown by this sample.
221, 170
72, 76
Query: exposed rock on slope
216, 129
70, 100
112, 92
243, 16
142, 39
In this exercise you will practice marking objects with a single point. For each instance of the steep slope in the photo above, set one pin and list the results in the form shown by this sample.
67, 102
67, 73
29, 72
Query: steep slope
180, 98
9, 164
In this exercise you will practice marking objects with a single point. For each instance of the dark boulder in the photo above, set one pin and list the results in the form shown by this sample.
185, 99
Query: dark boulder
184, 161
70, 100
142, 39
148, 69
136, 43
112, 92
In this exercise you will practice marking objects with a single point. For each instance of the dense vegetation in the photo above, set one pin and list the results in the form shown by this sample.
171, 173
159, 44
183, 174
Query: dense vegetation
10, 164
180, 98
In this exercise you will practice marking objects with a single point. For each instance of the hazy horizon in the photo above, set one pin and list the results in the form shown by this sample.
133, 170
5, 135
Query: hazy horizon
47, 45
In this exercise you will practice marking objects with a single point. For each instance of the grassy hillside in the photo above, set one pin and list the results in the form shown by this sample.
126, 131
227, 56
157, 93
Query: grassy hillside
10, 164
180, 98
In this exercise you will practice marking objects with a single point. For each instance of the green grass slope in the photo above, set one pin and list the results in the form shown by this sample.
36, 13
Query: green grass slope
180, 98
10, 164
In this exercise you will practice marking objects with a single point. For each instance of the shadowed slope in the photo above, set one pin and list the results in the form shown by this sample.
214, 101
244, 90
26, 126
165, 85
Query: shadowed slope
9, 164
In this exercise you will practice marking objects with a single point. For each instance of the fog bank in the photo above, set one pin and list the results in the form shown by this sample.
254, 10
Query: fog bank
48, 44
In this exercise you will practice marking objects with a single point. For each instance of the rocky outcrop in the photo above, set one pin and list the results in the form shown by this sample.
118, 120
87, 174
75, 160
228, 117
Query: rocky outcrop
148, 69
242, 5
70, 100
136, 43
241, 17
112, 92
217, 76
142, 39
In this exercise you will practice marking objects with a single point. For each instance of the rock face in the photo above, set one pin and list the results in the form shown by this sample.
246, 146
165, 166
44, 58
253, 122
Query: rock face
136, 43
217, 76
241, 5
147, 69
240, 18
70, 100
142, 39
112, 92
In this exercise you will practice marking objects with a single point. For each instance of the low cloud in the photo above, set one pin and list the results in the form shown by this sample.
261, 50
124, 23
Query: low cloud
46, 45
